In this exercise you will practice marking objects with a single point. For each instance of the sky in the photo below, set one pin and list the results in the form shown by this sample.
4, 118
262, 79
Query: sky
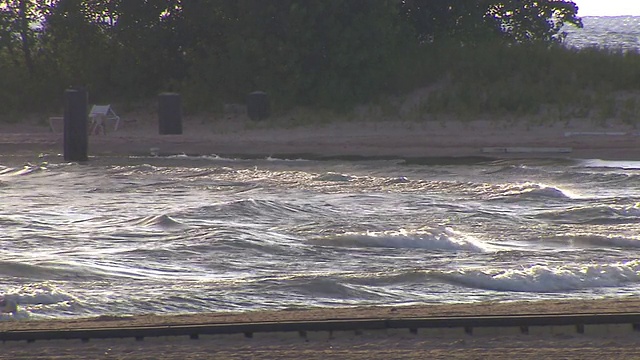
608, 7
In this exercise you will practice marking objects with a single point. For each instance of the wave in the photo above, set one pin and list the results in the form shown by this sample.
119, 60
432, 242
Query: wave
162, 221
257, 208
27, 169
333, 177
543, 279
595, 215
489, 191
201, 157
215, 157
516, 169
41, 297
622, 178
397, 180
530, 191
45, 271
437, 239
38, 295
275, 159
80, 270
410, 276
328, 287
616, 164
600, 241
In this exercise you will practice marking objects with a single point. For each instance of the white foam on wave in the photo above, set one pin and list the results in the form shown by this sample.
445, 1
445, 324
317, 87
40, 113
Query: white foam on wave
598, 213
633, 210
25, 170
201, 157
271, 158
38, 294
542, 278
332, 176
436, 239
535, 190
616, 164
398, 180
34, 295
599, 241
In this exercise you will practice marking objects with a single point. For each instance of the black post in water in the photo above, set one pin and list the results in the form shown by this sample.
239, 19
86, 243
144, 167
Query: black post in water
258, 105
169, 114
76, 140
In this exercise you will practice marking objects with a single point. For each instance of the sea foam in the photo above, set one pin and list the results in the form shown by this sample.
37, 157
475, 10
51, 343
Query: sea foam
543, 278
436, 239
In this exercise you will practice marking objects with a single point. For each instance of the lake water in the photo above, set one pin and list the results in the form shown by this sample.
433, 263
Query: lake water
615, 32
186, 234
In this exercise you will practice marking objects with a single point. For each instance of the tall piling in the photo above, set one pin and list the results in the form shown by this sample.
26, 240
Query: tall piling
169, 114
258, 105
76, 142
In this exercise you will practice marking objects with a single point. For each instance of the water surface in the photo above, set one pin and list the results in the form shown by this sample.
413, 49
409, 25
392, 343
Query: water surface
192, 234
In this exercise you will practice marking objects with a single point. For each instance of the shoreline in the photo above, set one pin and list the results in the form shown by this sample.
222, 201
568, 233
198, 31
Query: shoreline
627, 304
567, 342
430, 143
354, 140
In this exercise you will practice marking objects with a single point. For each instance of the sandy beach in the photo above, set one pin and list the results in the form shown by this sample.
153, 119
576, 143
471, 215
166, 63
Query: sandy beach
236, 136
394, 345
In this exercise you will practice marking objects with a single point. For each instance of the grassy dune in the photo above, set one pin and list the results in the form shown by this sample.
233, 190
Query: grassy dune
539, 83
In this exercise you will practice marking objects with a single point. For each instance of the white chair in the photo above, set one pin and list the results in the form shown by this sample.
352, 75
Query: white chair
98, 117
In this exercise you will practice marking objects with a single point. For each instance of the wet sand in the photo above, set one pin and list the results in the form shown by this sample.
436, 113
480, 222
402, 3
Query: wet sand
233, 137
626, 304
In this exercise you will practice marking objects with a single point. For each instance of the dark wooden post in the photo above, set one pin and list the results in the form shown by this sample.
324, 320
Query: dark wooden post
169, 114
76, 136
258, 105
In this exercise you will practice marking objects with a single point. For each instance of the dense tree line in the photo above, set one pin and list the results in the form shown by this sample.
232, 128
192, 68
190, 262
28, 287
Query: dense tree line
321, 53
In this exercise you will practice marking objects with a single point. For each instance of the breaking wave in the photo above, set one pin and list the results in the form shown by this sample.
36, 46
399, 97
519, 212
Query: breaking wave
438, 239
542, 278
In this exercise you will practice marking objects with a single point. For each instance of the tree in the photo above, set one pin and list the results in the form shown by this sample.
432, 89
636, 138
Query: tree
112, 46
470, 21
75, 44
19, 28
303, 52
328, 53
533, 20
434, 20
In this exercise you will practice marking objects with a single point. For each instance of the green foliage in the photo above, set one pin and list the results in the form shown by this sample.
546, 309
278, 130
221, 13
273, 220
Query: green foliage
310, 53
483, 56
553, 82
473, 21
630, 111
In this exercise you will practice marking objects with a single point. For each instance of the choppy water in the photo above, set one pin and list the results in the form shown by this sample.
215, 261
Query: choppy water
169, 235
612, 32
173, 235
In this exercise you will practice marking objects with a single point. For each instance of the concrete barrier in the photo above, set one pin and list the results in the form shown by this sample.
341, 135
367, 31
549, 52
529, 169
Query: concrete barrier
324, 330
527, 150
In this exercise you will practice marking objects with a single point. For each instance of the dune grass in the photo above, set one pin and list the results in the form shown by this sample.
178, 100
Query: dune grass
549, 82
